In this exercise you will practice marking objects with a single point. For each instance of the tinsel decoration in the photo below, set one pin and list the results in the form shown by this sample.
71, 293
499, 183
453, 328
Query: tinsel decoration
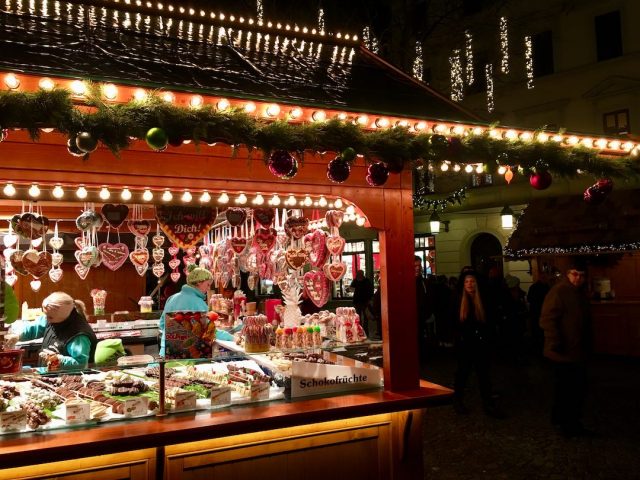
377, 174
86, 142
73, 149
420, 199
541, 180
157, 138
282, 164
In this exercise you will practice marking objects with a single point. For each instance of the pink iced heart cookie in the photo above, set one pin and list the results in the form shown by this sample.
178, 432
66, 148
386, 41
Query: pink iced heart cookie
88, 256
173, 250
296, 227
82, 271
56, 259
158, 240
139, 257
113, 255
335, 271
55, 275
56, 243
174, 263
142, 269
157, 254
316, 246
158, 269
334, 218
175, 276
79, 241
265, 239
238, 244
140, 228
316, 286
335, 245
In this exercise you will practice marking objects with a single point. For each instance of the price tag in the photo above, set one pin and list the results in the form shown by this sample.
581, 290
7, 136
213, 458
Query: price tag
185, 400
13, 420
220, 396
135, 407
77, 412
260, 391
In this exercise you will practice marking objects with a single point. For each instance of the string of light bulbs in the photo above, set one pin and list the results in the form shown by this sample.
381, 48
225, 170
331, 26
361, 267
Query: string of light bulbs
468, 53
528, 56
504, 45
457, 80
488, 71
418, 62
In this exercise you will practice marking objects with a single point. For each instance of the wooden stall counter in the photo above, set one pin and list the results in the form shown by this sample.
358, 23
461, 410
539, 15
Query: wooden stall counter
373, 434
616, 326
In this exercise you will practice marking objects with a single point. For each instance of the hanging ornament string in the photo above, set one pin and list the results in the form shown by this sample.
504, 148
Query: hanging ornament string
440, 203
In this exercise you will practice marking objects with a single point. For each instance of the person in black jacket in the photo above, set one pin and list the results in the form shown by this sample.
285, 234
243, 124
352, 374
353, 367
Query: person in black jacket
473, 344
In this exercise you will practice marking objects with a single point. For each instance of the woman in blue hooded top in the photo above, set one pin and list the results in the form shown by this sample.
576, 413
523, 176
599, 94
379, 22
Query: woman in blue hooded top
191, 298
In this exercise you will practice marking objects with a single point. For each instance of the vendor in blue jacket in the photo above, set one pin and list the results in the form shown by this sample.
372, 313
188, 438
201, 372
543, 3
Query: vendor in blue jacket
68, 341
191, 298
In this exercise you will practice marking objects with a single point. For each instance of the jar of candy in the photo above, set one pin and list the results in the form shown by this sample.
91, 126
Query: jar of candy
146, 304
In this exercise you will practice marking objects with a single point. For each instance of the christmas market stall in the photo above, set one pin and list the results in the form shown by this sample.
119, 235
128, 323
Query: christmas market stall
148, 144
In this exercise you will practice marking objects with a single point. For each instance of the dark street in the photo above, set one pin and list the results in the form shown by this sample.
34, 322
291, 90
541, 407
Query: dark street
526, 445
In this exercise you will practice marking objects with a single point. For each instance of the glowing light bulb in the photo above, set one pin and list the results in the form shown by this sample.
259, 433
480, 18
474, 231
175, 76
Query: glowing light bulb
342, 116
9, 190
502, 170
338, 203
57, 192
510, 134
362, 120
468, 168
34, 191
360, 221
140, 94
147, 196
295, 113
601, 143
275, 200
558, 138
526, 136
105, 193
307, 201
350, 210
46, 84
167, 196
480, 168
126, 194
477, 131
241, 199
382, 122
259, 200
187, 197
322, 202
627, 146
573, 140
420, 126
440, 128
81, 192
223, 198
11, 81
402, 123
444, 167
205, 197
587, 142
456, 168
222, 104
168, 97
291, 200
457, 130
614, 144
542, 137
78, 88
272, 110
110, 91
250, 107
196, 101
319, 116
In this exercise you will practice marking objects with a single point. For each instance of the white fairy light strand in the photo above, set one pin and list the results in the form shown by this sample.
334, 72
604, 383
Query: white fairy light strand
321, 21
370, 41
457, 82
418, 67
504, 45
259, 11
528, 55
468, 53
488, 71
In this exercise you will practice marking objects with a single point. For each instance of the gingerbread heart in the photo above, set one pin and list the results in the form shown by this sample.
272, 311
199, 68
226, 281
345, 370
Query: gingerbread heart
30, 255
316, 245
296, 227
36, 242
11, 279
238, 244
113, 255
140, 228
335, 245
35, 285
16, 262
158, 240
79, 241
264, 216
174, 263
296, 258
173, 250
140, 242
157, 254
115, 215
55, 275
185, 226
88, 220
188, 260
334, 218
139, 257
175, 276
335, 271
265, 239
56, 259
10, 240
56, 242
88, 256
30, 225
38, 266
235, 216
142, 269
316, 287
81, 270
158, 269
252, 281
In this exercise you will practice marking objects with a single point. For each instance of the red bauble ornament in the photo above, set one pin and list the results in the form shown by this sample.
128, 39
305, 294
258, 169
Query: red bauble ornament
540, 180
294, 170
338, 170
594, 196
377, 174
605, 185
281, 163
394, 165
73, 149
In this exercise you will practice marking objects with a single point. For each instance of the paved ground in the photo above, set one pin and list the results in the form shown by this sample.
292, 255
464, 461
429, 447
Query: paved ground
525, 445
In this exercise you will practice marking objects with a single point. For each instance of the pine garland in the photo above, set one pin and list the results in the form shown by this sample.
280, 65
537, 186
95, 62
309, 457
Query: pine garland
116, 124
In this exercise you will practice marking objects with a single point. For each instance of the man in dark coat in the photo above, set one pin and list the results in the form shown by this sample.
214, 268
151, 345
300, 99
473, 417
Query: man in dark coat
566, 322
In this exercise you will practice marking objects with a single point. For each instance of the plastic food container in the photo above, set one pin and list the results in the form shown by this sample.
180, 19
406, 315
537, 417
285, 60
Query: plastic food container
10, 361
146, 304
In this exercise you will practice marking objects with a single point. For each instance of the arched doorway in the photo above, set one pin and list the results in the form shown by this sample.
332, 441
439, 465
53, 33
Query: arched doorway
486, 253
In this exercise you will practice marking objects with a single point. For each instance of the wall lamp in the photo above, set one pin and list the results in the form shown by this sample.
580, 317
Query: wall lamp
506, 217
435, 224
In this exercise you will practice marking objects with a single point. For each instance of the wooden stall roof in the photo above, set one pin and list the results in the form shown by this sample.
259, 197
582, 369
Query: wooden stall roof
569, 225
106, 41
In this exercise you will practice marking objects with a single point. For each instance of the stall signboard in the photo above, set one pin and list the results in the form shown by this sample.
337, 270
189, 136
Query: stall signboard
185, 226
317, 379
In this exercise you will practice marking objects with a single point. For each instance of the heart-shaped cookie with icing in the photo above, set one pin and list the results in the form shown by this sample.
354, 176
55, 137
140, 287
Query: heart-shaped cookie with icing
316, 245
334, 218
316, 287
296, 258
264, 216
139, 257
115, 215
140, 228
56, 242
37, 266
296, 227
235, 216
238, 244
55, 275
265, 239
113, 255
335, 245
335, 271
16, 261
